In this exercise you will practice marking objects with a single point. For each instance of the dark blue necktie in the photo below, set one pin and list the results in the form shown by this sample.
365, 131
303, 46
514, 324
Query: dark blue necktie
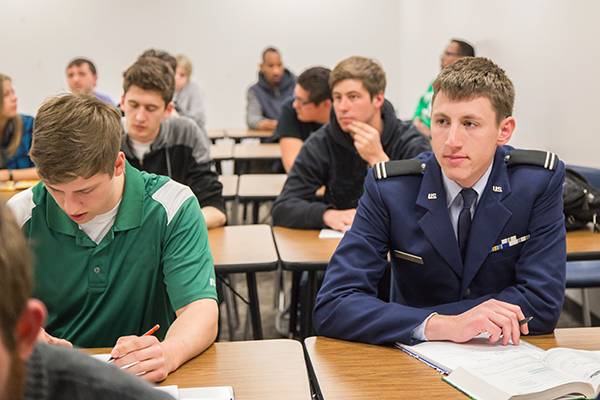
464, 219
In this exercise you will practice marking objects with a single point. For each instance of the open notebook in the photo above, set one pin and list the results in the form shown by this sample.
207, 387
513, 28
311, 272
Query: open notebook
494, 372
196, 393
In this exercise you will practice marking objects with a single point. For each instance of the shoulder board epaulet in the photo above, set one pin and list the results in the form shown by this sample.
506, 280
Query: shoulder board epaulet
544, 159
388, 169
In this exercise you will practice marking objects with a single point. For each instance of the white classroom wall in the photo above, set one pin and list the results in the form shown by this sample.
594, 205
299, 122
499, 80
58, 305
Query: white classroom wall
548, 47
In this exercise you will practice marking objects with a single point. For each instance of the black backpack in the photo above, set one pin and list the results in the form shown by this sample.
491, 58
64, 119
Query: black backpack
581, 202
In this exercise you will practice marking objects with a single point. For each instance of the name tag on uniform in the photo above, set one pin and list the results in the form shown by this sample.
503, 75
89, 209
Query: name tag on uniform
509, 242
408, 257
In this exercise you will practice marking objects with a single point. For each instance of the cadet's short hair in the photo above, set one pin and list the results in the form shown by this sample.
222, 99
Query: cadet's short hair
472, 77
75, 136
185, 64
150, 73
79, 61
366, 70
15, 270
315, 81
161, 55
464, 48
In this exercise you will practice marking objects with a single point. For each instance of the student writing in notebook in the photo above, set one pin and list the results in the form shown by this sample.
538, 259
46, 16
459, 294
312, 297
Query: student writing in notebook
117, 250
30, 370
475, 230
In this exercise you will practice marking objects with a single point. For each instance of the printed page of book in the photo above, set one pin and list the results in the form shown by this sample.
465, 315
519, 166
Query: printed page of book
581, 364
520, 374
449, 356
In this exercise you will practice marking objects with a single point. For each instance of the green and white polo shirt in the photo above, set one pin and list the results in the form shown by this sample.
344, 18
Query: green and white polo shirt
153, 261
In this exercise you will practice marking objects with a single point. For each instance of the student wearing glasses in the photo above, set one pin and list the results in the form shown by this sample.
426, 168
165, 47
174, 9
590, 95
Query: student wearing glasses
303, 114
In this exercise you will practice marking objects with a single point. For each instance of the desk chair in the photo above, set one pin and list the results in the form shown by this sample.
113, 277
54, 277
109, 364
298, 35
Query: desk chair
585, 274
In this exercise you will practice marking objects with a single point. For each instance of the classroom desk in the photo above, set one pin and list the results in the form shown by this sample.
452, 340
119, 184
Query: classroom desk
583, 245
9, 189
239, 134
221, 151
257, 370
214, 134
230, 186
245, 153
302, 250
258, 188
245, 249
348, 370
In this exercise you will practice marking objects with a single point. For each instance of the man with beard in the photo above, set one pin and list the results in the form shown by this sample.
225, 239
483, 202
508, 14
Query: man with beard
33, 370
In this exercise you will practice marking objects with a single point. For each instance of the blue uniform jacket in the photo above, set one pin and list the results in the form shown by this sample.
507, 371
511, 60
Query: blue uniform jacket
398, 213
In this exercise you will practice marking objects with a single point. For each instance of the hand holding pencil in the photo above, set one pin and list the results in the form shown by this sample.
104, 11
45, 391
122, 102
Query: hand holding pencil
142, 356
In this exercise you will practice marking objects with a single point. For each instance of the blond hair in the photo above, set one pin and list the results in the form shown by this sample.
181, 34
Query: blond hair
185, 64
366, 70
472, 77
75, 136
16, 122
15, 270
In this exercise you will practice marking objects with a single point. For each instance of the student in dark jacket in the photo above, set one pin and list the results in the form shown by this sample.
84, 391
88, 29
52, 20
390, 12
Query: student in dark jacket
172, 146
265, 98
363, 130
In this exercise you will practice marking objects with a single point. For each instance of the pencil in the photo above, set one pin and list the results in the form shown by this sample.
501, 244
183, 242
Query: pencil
525, 320
150, 332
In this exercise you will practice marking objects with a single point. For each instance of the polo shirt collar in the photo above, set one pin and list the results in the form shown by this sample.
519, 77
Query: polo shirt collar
128, 217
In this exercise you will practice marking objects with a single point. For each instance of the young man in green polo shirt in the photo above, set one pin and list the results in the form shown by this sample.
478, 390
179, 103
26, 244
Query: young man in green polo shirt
117, 250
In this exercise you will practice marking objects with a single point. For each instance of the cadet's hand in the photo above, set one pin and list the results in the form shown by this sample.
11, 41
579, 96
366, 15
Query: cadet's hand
266, 125
367, 142
340, 220
499, 319
147, 355
44, 337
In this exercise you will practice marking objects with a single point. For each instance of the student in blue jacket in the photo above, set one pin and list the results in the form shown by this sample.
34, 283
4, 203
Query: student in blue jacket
475, 230
15, 136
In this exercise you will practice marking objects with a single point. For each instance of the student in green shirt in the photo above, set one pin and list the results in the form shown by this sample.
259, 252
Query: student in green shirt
455, 50
117, 250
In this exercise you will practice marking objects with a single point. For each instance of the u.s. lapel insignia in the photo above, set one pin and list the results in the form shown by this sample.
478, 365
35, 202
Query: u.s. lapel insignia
432, 196
497, 189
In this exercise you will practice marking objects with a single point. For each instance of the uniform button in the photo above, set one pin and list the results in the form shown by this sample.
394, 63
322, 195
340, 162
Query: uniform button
467, 292
97, 270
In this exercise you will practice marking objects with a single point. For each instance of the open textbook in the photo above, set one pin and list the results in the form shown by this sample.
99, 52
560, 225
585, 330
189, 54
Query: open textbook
494, 372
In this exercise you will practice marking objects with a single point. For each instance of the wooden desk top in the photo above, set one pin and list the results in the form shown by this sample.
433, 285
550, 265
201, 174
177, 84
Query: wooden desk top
247, 133
257, 151
302, 248
214, 134
261, 186
230, 186
583, 245
9, 189
221, 151
348, 370
243, 248
257, 370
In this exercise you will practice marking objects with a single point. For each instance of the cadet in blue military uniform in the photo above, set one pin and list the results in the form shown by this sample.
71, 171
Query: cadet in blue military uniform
475, 230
